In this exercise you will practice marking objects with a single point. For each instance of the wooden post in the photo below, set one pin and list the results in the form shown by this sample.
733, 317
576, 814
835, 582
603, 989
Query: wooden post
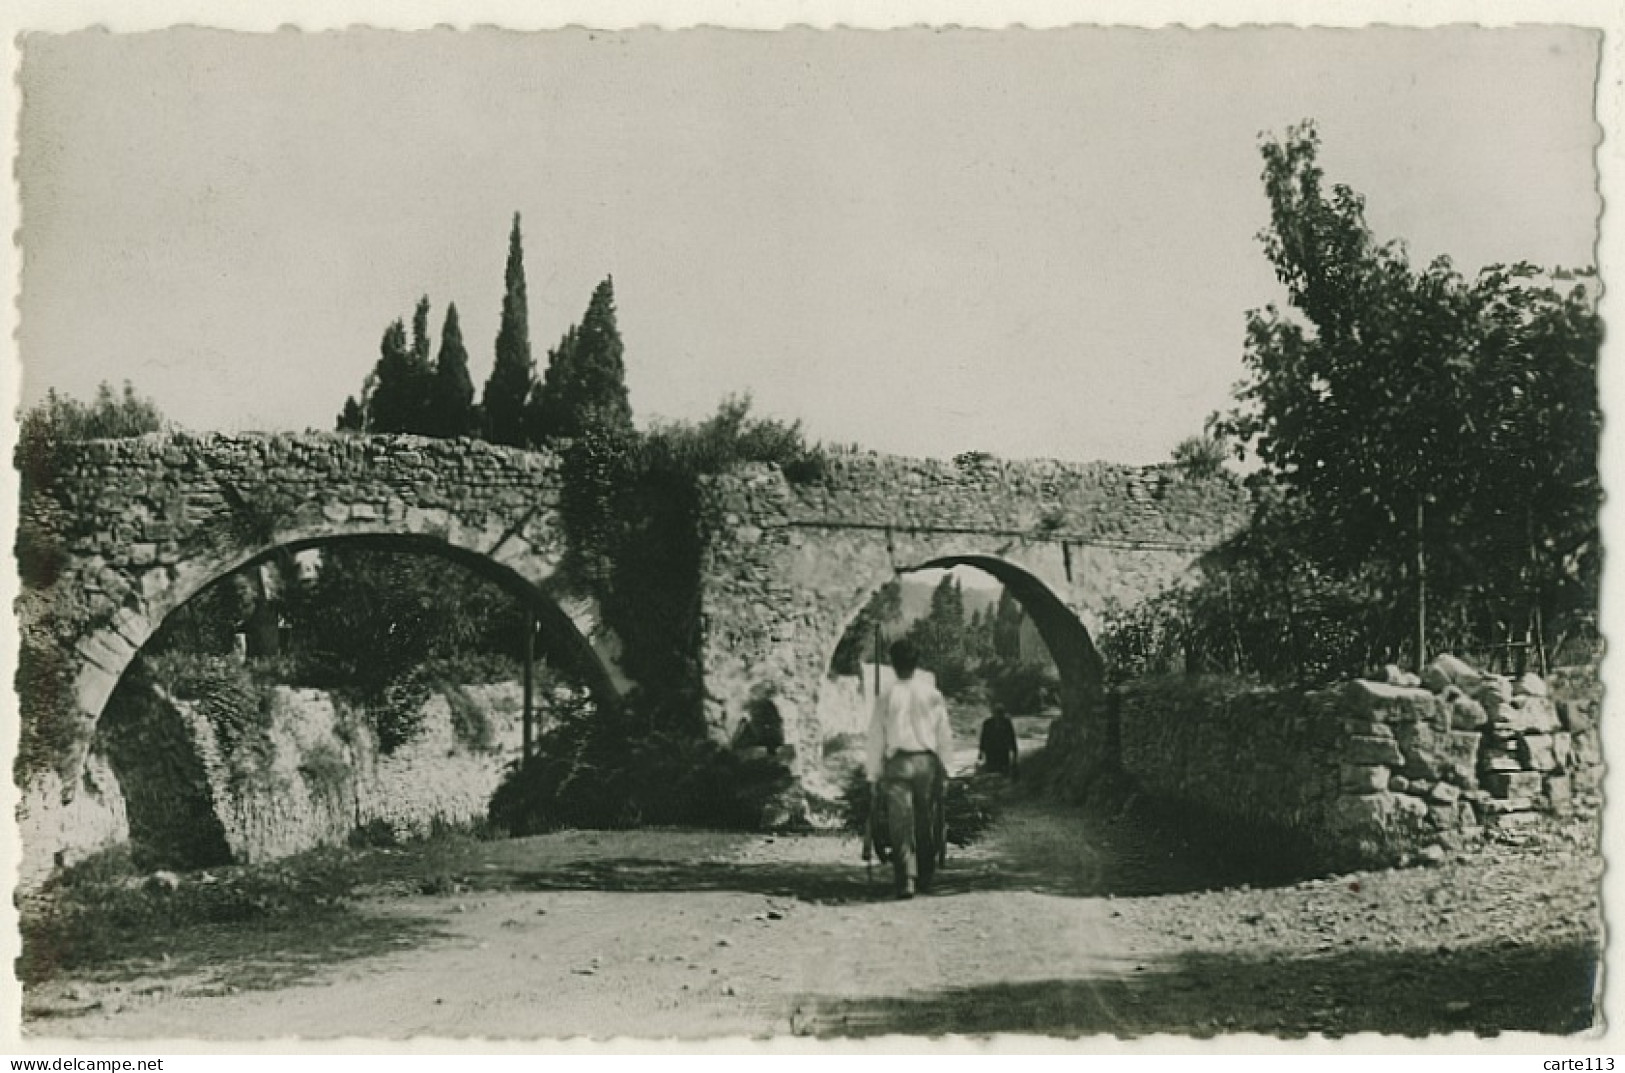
1537, 625
1421, 590
877, 660
530, 682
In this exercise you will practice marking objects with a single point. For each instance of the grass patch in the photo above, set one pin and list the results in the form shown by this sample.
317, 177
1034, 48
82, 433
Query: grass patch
104, 916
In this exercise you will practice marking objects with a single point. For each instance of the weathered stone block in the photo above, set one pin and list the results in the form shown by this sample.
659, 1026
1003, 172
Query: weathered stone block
1363, 749
1587, 750
154, 583
1493, 692
1576, 715
1515, 821
1382, 813
1392, 675
144, 553
1466, 713
1531, 684
1508, 785
1446, 670
1364, 778
1444, 794
1563, 749
1530, 715
1379, 702
1398, 784
1434, 754
1559, 793
1535, 752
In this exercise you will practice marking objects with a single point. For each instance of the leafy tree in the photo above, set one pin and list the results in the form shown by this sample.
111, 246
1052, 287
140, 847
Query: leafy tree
734, 437
452, 406
509, 386
1200, 457
58, 419
1416, 415
584, 386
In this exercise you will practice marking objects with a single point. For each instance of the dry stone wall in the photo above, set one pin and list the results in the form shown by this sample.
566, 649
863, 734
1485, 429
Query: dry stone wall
1374, 772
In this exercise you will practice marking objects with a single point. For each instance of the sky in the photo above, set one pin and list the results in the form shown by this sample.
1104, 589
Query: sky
1032, 243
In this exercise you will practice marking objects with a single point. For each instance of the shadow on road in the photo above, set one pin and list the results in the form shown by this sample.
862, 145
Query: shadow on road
212, 959
1036, 846
1484, 990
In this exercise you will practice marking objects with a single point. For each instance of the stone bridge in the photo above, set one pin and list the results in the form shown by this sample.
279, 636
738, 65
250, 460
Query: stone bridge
788, 567
142, 525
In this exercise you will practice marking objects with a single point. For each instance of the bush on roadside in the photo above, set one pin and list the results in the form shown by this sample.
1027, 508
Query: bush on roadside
619, 768
1022, 688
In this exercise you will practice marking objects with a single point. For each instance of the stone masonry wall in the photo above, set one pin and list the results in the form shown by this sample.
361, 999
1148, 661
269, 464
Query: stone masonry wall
318, 778
133, 528
1369, 772
788, 566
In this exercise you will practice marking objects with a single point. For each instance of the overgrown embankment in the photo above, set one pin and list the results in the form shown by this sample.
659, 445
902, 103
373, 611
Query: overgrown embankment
199, 762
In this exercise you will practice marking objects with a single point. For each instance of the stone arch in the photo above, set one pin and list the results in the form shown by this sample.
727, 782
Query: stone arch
1070, 645
1063, 631
501, 555
1081, 671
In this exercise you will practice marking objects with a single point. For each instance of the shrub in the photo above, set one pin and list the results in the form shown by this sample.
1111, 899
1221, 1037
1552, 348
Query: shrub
967, 805
617, 768
224, 692
1022, 688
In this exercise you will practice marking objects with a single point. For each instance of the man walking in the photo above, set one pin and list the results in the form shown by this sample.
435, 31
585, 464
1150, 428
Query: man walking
998, 751
910, 742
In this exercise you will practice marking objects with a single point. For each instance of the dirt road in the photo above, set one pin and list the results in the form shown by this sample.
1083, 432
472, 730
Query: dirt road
1058, 923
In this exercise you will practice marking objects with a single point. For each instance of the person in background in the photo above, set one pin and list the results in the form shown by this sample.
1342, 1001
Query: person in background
909, 745
997, 750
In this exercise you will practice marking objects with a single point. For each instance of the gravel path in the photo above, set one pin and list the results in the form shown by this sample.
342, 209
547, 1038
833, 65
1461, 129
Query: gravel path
1059, 923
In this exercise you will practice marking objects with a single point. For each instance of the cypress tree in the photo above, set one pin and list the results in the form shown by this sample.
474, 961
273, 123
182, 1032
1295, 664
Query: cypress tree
600, 365
452, 404
390, 408
509, 386
552, 402
420, 332
351, 418
584, 385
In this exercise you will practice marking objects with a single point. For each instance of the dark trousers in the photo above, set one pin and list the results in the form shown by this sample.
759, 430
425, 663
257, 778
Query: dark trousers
912, 783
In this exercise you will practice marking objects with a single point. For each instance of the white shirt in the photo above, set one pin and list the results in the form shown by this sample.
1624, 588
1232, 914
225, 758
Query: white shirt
910, 717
